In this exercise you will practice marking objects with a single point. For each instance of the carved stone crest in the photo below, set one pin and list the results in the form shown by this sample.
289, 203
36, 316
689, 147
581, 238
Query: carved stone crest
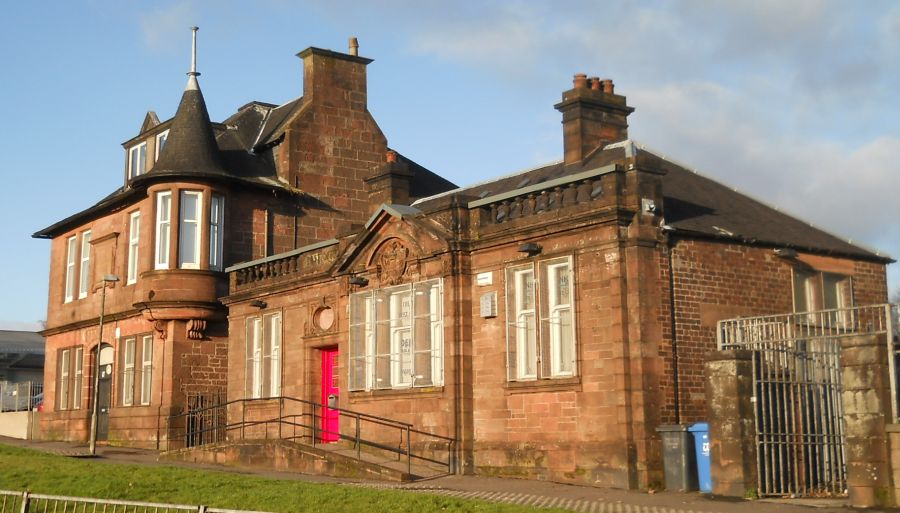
392, 261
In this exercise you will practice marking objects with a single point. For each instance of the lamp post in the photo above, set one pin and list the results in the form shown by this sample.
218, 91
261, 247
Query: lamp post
109, 278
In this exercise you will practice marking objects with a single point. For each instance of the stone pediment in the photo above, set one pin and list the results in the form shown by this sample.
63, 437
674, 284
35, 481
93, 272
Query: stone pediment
392, 243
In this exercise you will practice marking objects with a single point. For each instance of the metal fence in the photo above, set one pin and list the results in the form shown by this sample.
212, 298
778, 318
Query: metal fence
823, 324
26, 502
24, 396
797, 392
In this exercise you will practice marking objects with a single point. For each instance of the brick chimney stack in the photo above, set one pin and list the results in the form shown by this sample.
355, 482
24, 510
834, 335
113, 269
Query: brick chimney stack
331, 144
390, 182
334, 79
593, 116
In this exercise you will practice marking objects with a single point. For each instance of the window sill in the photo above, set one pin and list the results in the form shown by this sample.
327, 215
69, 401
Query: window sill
395, 393
543, 385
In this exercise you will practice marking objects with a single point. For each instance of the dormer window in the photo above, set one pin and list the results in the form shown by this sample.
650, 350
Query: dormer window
161, 139
137, 160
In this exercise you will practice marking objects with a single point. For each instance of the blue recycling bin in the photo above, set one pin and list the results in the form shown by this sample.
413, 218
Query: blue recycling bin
700, 431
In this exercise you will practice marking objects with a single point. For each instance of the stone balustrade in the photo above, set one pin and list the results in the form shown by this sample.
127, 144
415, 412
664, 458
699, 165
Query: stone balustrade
548, 196
304, 261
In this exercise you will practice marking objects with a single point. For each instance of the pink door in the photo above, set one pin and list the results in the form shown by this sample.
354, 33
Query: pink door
330, 394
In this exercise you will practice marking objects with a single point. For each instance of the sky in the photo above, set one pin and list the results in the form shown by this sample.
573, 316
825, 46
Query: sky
794, 103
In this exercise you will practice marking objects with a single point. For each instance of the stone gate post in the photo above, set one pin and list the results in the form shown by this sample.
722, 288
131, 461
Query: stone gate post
732, 428
866, 399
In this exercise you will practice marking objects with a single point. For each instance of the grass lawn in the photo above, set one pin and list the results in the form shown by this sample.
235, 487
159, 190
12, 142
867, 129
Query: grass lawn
25, 469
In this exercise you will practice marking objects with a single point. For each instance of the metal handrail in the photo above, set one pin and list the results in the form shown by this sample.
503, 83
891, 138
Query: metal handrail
293, 421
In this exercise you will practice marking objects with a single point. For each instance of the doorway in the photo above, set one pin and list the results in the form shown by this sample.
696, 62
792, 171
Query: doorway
104, 391
330, 396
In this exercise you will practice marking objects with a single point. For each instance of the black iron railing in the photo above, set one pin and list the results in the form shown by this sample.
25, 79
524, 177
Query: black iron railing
290, 418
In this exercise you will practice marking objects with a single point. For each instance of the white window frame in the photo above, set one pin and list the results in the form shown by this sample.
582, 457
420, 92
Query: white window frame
556, 309
146, 369
64, 367
400, 329
272, 336
263, 355
216, 231
71, 258
254, 358
552, 339
137, 158
128, 372
134, 241
525, 323
400, 321
185, 242
164, 136
79, 375
84, 268
163, 239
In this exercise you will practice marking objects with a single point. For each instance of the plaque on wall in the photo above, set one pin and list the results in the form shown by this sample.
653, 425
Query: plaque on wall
489, 305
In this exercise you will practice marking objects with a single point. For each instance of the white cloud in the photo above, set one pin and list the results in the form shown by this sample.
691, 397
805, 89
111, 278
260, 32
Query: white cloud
849, 190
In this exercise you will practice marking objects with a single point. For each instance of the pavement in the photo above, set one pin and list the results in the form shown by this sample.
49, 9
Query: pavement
583, 499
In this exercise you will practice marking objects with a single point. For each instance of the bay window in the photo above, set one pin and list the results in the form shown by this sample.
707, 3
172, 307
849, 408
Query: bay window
189, 230
163, 224
540, 321
216, 219
396, 337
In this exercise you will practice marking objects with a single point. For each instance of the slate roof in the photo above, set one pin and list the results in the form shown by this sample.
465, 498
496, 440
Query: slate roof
694, 205
191, 147
270, 131
238, 149
21, 342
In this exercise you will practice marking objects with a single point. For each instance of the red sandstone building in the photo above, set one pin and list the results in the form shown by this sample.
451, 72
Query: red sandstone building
547, 321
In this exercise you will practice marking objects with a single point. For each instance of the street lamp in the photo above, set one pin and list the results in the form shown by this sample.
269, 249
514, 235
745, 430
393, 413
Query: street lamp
109, 278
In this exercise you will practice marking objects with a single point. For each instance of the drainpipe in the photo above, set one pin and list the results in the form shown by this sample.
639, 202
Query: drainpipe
670, 246
456, 276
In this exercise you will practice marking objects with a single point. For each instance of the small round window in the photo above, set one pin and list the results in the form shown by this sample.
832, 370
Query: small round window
324, 318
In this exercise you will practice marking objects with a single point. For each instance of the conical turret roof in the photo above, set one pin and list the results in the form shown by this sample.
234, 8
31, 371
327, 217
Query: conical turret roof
191, 147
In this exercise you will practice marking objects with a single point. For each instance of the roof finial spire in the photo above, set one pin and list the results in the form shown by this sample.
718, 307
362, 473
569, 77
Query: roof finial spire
193, 74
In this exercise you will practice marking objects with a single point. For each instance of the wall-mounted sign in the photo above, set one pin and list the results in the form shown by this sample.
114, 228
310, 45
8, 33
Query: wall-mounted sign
489, 305
482, 279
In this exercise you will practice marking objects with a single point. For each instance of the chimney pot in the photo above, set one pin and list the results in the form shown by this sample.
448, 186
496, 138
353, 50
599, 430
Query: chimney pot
354, 46
580, 81
391, 156
591, 120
